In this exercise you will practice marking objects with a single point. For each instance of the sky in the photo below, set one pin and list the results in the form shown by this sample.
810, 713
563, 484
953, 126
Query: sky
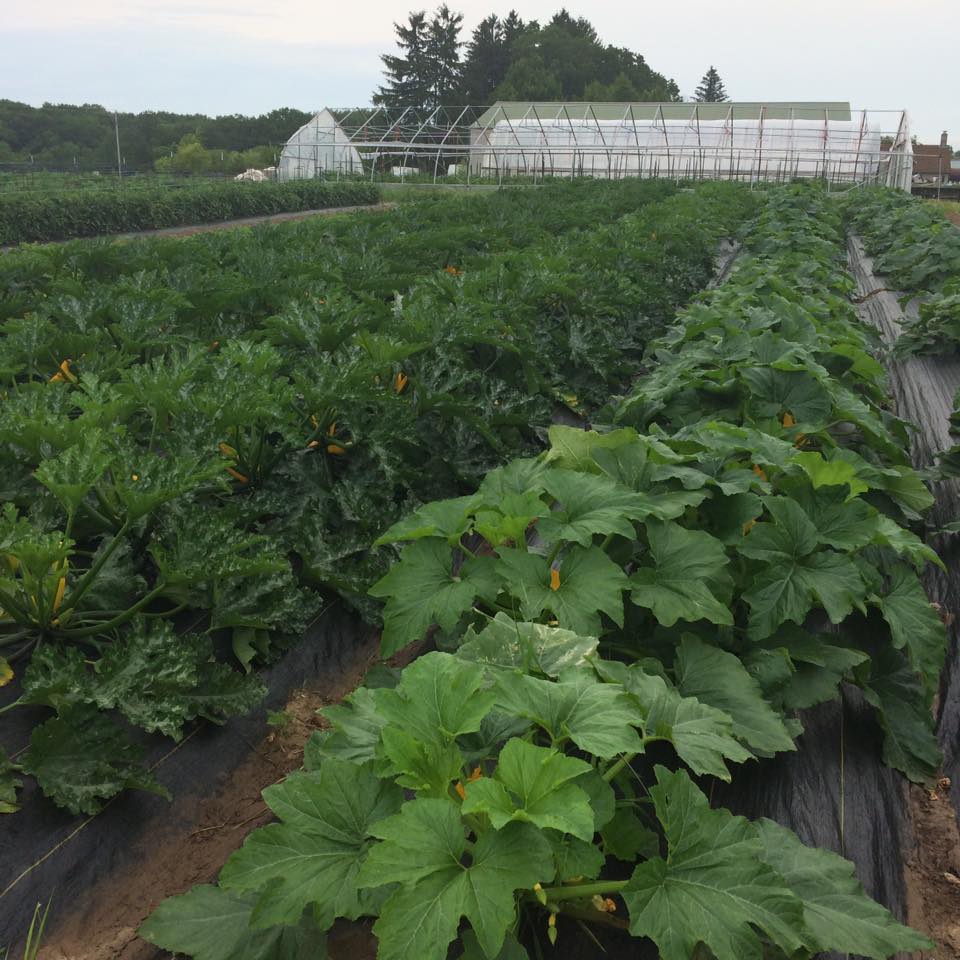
250, 56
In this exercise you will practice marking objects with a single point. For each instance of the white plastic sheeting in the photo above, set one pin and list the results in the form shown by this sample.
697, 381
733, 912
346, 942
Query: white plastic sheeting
758, 148
319, 146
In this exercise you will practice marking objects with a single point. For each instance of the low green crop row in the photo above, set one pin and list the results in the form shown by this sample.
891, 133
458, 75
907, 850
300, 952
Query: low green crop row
25, 219
640, 606
917, 250
222, 426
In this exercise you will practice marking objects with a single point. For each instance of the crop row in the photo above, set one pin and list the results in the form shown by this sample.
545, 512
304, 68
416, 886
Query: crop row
633, 608
25, 219
918, 250
180, 441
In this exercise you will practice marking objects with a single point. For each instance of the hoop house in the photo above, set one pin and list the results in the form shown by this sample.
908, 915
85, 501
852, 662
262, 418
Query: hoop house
319, 146
721, 141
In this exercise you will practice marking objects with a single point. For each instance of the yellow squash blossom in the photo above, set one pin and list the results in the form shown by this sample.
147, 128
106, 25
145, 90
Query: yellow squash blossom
554, 579
64, 373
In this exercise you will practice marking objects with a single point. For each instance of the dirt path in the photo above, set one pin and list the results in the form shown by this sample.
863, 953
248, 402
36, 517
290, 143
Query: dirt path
188, 230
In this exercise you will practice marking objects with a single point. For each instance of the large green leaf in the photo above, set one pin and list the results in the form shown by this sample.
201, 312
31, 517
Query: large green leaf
313, 856
533, 784
573, 448
815, 665
530, 647
80, 758
423, 850
713, 887
892, 686
71, 475
776, 392
442, 518
594, 504
159, 680
589, 583
719, 679
507, 522
687, 563
838, 915
828, 473
703, 736
57, 676
422, 590
438, 699
597, 717
154, 480
355, 730
208, 923
914, 624
792, 576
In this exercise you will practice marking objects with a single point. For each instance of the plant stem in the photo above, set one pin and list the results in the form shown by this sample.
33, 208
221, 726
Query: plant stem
91, 574
116, 621
615, 768
10, 605
10, 706
580, 891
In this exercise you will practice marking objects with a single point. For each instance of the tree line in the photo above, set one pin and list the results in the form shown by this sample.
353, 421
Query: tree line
66, 136
504, 58
509, 59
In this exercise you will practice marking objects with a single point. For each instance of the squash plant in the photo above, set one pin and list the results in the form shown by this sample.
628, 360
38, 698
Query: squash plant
493, 787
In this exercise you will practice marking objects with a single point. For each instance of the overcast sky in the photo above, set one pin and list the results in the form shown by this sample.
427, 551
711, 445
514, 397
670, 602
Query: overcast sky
241, 56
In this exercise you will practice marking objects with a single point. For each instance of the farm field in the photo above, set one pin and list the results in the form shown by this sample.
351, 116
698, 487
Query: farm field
637, 524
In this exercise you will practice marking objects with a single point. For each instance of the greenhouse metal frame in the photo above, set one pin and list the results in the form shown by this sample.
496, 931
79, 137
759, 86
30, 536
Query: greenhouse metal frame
740, 141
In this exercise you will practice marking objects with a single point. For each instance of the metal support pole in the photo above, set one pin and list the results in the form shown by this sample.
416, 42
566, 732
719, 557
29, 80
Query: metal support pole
116, 131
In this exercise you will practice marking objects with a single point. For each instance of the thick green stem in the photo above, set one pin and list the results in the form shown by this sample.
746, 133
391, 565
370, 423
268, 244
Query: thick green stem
10, 605
615, 768
87, 579
580, 891
11, 638
116, 621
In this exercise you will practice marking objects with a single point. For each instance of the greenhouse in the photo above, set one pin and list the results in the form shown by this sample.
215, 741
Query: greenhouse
739, 141
764, 141
319, 146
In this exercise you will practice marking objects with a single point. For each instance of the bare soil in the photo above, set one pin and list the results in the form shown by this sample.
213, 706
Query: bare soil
933, 871
190, 230
201, 835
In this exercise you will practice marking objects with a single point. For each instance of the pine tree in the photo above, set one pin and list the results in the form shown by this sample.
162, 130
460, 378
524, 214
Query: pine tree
486, 61
711, 88
407, 76
443, 73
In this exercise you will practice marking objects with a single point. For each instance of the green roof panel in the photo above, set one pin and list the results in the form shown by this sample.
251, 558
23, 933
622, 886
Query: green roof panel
807, 110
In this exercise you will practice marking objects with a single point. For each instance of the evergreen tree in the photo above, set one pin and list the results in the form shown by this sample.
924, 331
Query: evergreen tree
711, 88
486, 62
512, 28
407, 76
443, 72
